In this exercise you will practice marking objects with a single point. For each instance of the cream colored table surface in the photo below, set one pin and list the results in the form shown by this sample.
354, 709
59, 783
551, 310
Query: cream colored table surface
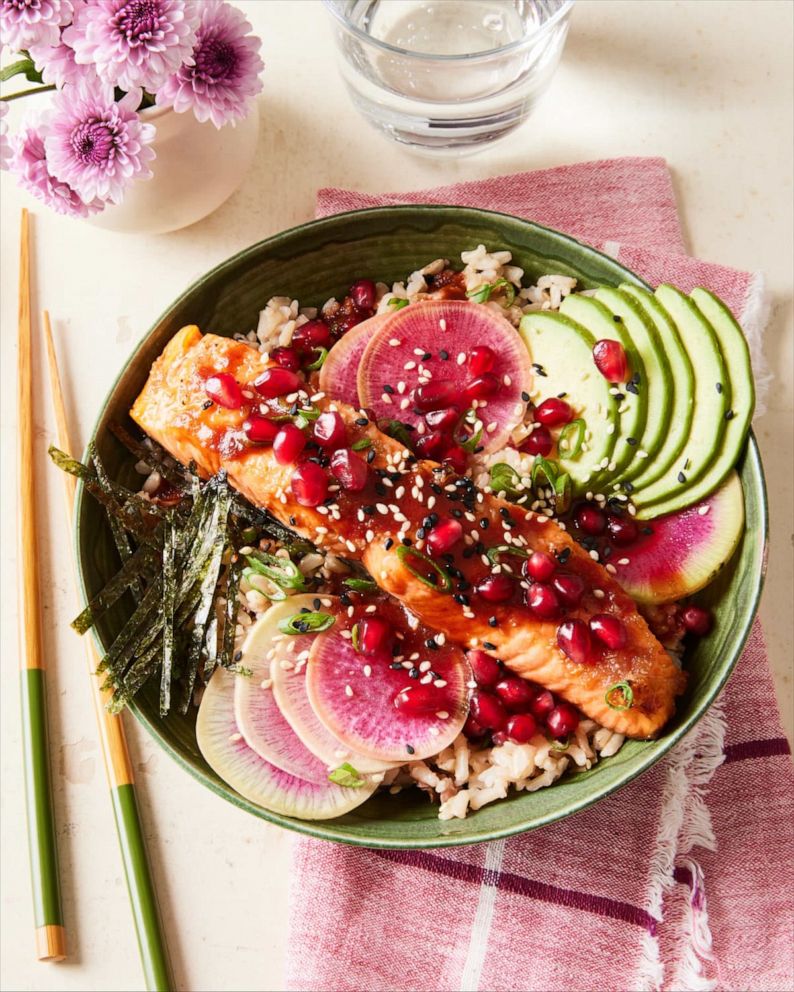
706, 84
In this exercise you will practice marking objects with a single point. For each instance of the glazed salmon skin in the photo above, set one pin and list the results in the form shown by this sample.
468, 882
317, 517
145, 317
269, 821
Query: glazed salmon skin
375, 525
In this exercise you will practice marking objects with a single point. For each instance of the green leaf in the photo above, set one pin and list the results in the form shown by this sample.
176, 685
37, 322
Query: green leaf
347, 776
483, 293
25, 66
306, 623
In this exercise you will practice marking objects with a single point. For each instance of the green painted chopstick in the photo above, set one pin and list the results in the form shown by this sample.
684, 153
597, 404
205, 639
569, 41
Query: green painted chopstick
47, 911
118, 766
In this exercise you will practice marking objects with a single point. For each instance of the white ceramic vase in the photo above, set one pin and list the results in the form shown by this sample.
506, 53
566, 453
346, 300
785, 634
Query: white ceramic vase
198, 166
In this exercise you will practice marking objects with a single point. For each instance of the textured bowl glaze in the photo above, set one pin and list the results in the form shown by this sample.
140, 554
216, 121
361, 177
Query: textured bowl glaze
318, 260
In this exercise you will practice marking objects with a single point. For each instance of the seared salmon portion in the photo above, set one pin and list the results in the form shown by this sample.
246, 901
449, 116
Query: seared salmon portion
385, 526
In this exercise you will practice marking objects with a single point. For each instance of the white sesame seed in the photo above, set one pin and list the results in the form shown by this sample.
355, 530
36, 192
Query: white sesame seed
395, 342
612, 466
433, 731
611, 569
348, 692
611, 429
382, 508
426, 680
367, 670
440, 639
623, 561
419, 351
386, 398
405, 403
642, 454
265, 683
599, 593
371, 609
492, 427
542, 518
442, 324
399, 492
461, 357
594, 555
235, 737
443, 715
703, 510
425, 666
409, 365
431, 502
369, 536
439, 683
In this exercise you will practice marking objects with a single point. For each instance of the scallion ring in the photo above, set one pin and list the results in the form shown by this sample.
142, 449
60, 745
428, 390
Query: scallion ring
362, 444
494, 553
549, 470
625, 691
361, 585
282, 572
319, 361
354, 637
563, 745
444, 583
397, 303
567, 442
563, 493
306, 623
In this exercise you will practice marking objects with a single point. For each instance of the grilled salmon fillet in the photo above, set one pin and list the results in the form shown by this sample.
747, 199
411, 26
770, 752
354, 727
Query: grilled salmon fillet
402, 497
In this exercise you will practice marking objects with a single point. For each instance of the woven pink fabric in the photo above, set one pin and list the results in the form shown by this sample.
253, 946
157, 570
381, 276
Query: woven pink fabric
684, 879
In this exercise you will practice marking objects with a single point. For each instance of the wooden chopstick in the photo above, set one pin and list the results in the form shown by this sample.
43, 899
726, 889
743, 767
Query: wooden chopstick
118, 766
48, 914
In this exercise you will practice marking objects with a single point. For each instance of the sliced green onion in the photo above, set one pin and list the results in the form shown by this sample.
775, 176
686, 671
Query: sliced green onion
305, 415
504, 478
322, 354
471, 444
563, 745
483, 293
563, 493
282, 572
572, 448
361, 585
362, 444
354, 637
347, 776
398, 430
626, 693
549, 470
444, 583
494, 553
397, 303
306, 623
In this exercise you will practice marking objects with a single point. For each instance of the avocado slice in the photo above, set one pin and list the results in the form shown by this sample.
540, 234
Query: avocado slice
632, 405
562, 352
657, 384
734, 346
712, 402
683, 388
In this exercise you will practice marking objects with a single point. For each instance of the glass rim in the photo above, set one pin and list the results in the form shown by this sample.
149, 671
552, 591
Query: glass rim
558, 15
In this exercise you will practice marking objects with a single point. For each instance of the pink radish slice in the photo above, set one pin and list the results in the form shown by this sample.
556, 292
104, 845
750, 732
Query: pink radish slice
684, 550
338, 376
225, 751
453, 327
359, 708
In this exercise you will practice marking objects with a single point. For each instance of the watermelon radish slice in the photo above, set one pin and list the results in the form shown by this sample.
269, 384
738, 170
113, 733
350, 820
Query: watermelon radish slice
339, 374
685, 549
225, 751
360, 709
394, 360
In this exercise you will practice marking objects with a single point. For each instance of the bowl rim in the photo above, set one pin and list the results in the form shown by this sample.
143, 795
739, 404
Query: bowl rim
315, 828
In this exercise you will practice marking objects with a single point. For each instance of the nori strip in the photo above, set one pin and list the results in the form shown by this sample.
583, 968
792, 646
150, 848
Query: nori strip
120, 536
169, 603
135, 566
226, 657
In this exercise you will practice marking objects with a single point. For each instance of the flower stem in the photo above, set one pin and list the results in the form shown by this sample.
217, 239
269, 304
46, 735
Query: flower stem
33, 89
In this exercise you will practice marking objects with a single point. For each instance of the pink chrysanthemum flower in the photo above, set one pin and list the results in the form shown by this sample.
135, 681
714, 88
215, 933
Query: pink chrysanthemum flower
134, 43
96, 145
56, 62
30, 163
224, 74
32, 22
5, 144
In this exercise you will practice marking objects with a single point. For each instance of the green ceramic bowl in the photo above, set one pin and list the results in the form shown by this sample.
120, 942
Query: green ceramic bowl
314, 262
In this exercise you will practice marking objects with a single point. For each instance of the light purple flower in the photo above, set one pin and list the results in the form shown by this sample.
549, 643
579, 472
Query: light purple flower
5, 144
56, 62
224, 73
30, 164
32, 22
134, 43
96, 145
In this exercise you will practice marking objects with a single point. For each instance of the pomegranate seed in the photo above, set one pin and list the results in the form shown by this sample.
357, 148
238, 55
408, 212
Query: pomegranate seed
569, 588
496, 588
420, 699
487, 710
542, 704
259, 429
435, 395
539, 442
562, 720
481, 359
312, 334
515, 693
277, 382
288, 444
330, 431
611, 361
287, 358
363, 294
432, 445
456, 457
349, 470
521, 728
609, 630
539, 566
309, 484
553, 412
481, 388
375, 636
223, 389
498, 738
543, 601
444, 536
697, 620
343, 324
485, 668
473, 730
590, 519
442, 420
622, 530
573, 639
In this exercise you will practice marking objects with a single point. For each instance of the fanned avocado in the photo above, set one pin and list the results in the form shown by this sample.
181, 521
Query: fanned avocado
712, 402
657, 386
562, 352
742, 392
631, 397
679, 418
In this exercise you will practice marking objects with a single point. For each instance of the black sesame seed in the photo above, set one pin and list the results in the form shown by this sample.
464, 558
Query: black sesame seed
409, 749
631, 440
460, 598
485, 523
443, 355
407, 542
420, 533
681, 478
647, 530
719, 387
293, 521
606, 552
616, 318
468, 552
427, 356
206, 404
631, 387
730, 415
238, 655
380, 489
396, 665
369, 509
687, 464
370, 456
525, 396
564, 555
464, 584
388, 389
619, 397
456, 513
628, 487
345, 600
293, 409
431, 644
316, 604
434, 486
493, 622
388, 544
414, 673
488, 646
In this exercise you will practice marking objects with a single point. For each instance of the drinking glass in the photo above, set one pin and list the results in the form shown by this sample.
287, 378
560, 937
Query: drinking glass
448, 75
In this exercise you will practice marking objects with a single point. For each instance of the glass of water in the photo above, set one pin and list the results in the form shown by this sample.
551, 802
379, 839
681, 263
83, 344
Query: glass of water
448, 75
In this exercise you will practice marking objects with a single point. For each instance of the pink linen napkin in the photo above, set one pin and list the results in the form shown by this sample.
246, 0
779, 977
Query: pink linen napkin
681, 880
